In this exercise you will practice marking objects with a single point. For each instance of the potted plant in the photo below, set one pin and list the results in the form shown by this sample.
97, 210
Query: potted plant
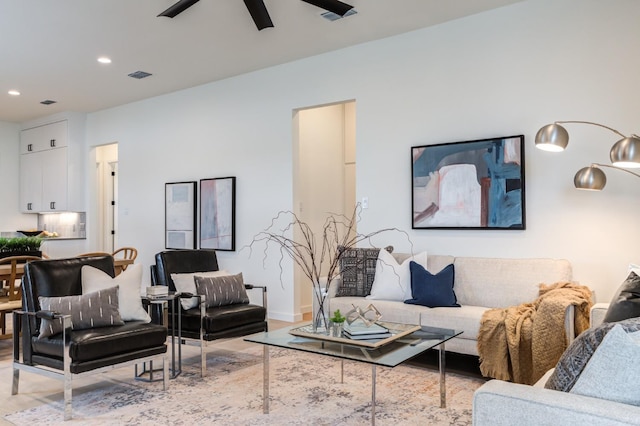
20, 246
337, 322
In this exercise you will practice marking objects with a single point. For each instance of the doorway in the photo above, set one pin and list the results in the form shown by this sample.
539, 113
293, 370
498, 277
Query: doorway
107, 197
324, 175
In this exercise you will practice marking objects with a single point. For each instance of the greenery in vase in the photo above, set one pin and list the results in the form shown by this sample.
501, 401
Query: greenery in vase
20, 244
318, 256
337, 317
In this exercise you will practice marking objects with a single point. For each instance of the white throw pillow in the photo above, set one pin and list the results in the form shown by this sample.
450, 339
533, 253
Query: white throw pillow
128, 282
612, 370
393, 281
186, 283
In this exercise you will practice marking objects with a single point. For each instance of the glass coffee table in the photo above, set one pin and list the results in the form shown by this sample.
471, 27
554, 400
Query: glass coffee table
390, 354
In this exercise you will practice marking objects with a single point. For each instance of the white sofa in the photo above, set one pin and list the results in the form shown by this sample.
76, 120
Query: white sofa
498, 403
480, 284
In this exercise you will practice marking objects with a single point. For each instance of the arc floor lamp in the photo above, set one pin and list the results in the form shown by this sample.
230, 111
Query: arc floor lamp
624, 154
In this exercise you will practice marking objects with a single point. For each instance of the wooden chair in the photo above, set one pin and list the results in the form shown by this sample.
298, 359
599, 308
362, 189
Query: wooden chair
11, 270
128, 253
94, 254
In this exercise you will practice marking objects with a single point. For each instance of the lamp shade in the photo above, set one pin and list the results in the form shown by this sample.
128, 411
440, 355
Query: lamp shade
626, 153
590, 178
552, 137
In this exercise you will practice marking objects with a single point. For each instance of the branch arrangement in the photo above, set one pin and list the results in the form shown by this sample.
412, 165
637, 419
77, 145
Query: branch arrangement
317, 257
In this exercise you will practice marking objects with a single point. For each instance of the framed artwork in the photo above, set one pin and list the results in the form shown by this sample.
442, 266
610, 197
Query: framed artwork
180, 215
469, 185
218, 213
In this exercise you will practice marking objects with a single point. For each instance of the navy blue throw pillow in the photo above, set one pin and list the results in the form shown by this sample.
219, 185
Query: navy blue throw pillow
432, 290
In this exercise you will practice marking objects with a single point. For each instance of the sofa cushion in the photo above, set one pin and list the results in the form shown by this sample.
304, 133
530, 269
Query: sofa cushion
626, 301
392, 311
500, 283
221, 291
465, 318
91, 310
432, 290
577, 355
612, 371
128, 282
185, 283
358, 269
393, 280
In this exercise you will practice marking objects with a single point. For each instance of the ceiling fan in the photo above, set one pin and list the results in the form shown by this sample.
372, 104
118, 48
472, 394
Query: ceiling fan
258, 10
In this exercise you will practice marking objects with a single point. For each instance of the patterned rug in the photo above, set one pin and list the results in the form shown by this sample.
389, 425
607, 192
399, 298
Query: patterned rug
305, 389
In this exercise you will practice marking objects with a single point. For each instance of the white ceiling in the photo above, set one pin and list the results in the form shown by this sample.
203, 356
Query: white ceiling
49, 48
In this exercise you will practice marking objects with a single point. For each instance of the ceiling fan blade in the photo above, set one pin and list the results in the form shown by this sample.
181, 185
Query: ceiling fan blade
259, 13
335, 6
178, 8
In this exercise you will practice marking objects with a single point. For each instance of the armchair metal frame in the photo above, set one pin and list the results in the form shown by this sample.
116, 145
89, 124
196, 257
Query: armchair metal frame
202, 342
65, 375
183, 262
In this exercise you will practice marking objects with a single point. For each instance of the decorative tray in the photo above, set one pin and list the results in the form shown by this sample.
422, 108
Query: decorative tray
397, 331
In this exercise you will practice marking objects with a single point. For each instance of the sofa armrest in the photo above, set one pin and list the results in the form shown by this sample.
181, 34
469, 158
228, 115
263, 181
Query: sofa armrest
503, 403
598, 311
569, 324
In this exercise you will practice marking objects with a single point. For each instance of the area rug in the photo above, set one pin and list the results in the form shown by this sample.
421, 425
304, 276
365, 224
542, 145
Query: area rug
305, 389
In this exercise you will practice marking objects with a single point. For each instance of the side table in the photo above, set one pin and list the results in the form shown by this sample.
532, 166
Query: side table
163, 302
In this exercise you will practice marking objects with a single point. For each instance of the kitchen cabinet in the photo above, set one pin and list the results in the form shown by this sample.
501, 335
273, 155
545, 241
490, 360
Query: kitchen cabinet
50, 169
44, 181
45, 137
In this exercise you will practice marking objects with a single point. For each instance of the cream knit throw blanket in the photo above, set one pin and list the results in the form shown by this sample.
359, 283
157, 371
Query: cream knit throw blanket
521, 343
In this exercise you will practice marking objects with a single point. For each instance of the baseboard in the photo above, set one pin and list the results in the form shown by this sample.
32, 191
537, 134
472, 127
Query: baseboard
281, 316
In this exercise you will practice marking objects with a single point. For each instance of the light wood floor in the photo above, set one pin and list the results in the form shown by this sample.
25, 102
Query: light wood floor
36, 389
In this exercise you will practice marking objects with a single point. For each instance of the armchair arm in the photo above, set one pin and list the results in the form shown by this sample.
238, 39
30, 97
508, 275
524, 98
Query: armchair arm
19, 316
264, 292
504, 403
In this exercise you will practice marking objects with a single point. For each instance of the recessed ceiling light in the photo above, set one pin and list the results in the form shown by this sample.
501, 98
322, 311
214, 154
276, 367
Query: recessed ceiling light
14, 93
104, 60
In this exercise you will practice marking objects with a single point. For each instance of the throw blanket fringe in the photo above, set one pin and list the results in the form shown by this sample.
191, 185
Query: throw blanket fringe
520, 343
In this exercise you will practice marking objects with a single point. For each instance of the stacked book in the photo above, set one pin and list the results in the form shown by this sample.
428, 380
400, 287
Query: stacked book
157, 291
358, 330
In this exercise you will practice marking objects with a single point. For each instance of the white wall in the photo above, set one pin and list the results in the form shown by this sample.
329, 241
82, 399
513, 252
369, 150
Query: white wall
503, 72
10, 219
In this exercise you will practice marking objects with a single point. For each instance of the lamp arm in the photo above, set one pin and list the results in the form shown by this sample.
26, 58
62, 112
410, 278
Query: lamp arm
594, 124
614, 167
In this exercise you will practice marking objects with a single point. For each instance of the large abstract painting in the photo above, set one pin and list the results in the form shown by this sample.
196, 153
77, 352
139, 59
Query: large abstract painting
469, 185
180, 215
217, 213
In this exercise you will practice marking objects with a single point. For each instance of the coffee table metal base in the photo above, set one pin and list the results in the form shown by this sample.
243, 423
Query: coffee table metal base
441, 368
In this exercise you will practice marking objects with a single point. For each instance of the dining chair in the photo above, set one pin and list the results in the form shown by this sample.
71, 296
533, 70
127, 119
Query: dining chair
11, 270
94, 254
126, 253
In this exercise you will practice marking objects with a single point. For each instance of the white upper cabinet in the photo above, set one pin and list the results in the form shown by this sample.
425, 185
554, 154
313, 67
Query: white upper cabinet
51, 178
54, 135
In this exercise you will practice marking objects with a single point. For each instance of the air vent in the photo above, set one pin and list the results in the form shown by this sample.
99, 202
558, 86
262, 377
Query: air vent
48, 102
334, 16
139, 74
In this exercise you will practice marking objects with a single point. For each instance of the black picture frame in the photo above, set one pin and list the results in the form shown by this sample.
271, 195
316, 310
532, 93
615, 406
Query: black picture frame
180, 215
218, 213
478, 184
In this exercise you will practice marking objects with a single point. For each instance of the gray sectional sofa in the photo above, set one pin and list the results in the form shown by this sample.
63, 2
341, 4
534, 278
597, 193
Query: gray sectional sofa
480, 284
498, 403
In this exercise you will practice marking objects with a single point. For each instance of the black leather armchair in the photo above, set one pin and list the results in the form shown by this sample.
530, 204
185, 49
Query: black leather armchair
201, 324
76, 352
